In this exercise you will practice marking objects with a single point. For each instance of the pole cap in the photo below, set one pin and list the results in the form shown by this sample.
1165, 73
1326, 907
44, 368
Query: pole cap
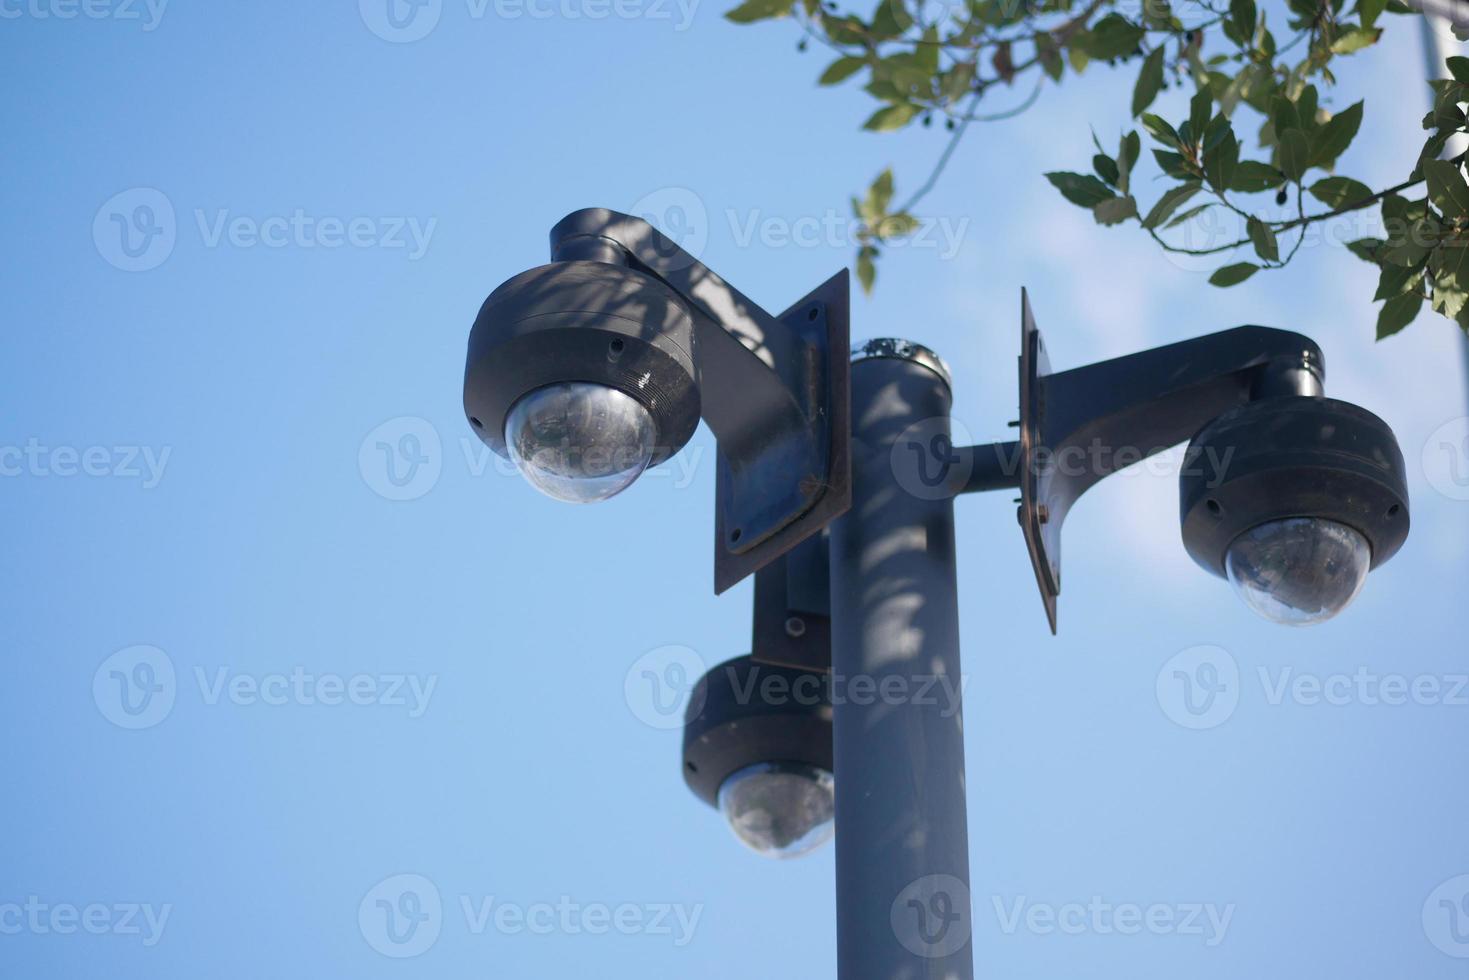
903, 350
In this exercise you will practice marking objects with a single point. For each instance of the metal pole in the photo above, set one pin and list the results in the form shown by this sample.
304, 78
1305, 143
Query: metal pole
1438, 46
902, 843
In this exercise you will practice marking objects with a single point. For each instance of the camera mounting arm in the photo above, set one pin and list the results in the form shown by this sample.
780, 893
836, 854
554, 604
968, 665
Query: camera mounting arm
773, 390
1079, 426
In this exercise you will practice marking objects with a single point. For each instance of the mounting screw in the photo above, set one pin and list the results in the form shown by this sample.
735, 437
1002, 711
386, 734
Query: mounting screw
795, 627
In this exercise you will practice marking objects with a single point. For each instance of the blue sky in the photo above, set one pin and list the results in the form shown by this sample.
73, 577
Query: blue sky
364, 672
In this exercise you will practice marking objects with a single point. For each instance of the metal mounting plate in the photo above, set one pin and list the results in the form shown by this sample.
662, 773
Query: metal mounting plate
1042, 536
825, 315
792, 622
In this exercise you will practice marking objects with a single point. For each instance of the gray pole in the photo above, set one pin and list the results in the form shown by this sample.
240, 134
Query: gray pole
902, 843
1438, 45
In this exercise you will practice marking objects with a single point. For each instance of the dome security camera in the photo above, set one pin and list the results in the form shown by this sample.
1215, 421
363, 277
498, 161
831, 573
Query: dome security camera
582, 373
759, 748
1309, 495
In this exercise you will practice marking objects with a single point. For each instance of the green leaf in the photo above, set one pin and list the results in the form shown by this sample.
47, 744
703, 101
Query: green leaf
959, 80
1263, 238
1447, 188
1366, 249
1174, 165
1408, 245
841, 70
753, 10
1338, 192
908, 73
1200, 108
1127, 155
1449, 264
1434, 148
1233, 275
1083, 190
1335, 136
1307, 108
891, 19
881, 87
844, 30
1397, 313
1149, 81
1446, 113
1449, 300
1114, 36
1169, 203
1295, 154
1115, 210
1215, 131
1369, 10
1242, 14
895, 226
1233, 34
866, 268
1264, 42
1459, 68
1182, 217
1395, 207
1221, 161
1049, 55
891, 117
1284, 114
1395, 281
926, 51
879, 196
1356, 39
1160, 130
1235, 90
1252, 176
1106, 168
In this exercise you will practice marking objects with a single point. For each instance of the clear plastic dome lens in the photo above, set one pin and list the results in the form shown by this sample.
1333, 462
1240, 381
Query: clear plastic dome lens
780, 809
580, 442
1299, 571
